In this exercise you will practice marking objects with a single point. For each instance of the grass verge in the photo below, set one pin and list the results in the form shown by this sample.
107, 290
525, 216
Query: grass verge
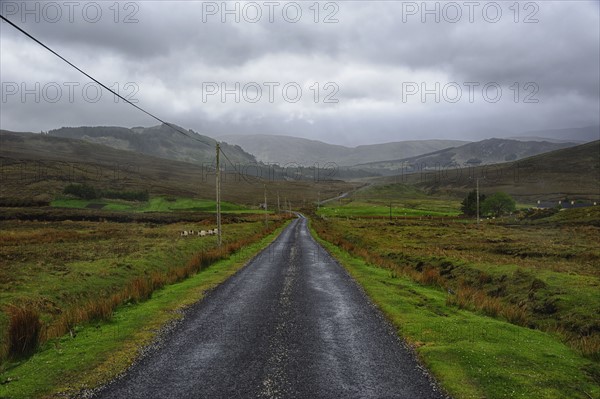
472, 355
96, 352
526, 275
155, 204
68, 273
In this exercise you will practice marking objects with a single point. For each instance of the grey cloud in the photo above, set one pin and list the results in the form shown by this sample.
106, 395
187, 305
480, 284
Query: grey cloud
369, 53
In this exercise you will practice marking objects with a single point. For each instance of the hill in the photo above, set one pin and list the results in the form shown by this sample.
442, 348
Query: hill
160, 141
38, 167
573, 135
285, 149
485, 152
572, 173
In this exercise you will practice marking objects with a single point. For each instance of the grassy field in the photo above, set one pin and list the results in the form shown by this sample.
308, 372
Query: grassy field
489, 307
156, 204
406, 208
404, 200
96, 352
71, 272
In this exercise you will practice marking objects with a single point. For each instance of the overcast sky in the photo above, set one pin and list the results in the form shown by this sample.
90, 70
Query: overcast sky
368, 72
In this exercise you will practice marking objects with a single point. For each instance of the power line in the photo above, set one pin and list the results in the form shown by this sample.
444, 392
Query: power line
107, 88
92, 78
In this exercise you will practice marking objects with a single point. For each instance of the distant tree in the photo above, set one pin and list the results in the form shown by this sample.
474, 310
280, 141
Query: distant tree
83, 191
498, 204
469, 204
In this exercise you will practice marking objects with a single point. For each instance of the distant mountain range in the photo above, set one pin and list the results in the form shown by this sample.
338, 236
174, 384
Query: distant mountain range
317, 157
159, 141
572, 173
40, 165
285, 149
570, 135
485, 152
380, 158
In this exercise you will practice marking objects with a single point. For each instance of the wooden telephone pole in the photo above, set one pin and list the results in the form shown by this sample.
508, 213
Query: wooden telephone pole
318, 200
218, 190
477, 193
266, 210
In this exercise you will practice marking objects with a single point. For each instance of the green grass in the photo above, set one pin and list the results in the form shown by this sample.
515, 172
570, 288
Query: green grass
165, 204
405, 200
156, 204
375, 208
578, 215
66, 269
57, 264
530, 275
394, 191
474, 356
99, 351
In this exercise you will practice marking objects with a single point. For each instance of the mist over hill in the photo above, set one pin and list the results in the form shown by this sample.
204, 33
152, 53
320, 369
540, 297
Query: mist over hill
160, 141
39, 166
572, 173
286, 149
568, 135
318, 160
485, 152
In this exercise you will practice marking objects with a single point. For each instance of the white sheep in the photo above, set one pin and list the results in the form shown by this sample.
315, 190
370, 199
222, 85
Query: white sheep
184, 233
216, 231
202, 233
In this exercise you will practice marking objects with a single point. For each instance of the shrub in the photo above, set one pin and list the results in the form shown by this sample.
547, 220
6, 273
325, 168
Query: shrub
83, 191
23, 331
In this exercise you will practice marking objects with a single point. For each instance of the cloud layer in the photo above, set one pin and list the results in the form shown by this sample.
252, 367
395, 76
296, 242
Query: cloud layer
344, 72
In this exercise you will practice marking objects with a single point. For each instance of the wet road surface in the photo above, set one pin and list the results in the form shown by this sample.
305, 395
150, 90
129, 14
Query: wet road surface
291, 324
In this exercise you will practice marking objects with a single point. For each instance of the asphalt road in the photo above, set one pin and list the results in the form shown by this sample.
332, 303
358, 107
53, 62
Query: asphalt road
291, 324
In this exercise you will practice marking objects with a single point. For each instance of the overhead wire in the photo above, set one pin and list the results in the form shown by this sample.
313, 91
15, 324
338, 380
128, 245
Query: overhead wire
175, 128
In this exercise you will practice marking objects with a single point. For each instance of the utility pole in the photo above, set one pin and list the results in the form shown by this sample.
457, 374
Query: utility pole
266, 210
218, 190
477, 185
318, 200
390, 211
278, 207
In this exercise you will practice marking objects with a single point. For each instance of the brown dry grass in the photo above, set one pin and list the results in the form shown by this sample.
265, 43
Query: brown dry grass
446, 255
25, 330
